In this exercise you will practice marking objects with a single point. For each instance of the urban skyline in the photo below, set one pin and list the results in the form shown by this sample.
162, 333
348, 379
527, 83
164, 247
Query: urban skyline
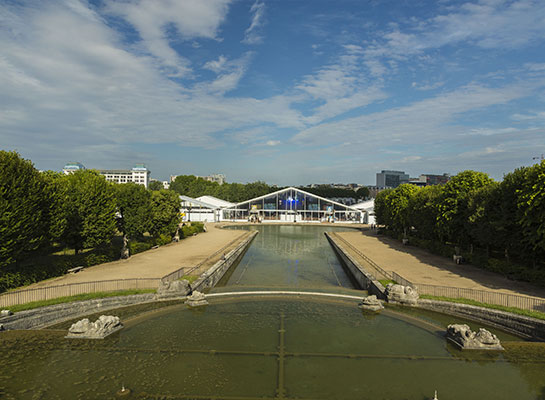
285, 92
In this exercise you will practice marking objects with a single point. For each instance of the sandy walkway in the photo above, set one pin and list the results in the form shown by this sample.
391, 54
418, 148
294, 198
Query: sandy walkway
419, 266
159, 262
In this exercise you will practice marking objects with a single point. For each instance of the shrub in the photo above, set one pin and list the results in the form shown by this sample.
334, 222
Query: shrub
163, 239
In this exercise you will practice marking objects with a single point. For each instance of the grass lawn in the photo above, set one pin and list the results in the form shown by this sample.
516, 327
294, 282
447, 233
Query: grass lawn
78, 297
527, 313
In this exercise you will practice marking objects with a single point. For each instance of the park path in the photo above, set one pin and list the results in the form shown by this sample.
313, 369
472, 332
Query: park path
420, 266
156, 263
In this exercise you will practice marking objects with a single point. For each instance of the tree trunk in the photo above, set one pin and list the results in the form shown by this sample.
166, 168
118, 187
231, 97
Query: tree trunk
125, 250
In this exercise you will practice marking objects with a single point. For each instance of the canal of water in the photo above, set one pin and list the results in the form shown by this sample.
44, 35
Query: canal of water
268, 347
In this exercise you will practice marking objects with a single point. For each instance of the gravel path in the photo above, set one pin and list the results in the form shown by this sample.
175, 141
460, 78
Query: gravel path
419, 266
156, 263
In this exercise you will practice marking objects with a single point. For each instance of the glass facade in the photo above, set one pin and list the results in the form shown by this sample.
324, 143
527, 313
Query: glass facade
292, 205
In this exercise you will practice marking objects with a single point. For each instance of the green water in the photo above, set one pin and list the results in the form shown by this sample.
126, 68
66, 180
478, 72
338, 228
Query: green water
289, 256
261, 348
269, 347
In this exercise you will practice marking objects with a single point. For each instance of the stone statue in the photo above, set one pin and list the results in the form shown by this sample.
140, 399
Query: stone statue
196, 299
173, 289
401, 294
102, 327
465, 338
371, 303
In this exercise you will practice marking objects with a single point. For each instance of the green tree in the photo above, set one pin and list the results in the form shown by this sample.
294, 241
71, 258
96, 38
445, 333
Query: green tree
398, 204
56, 188
23, 209
134, 212
165, 213
531, 203
453, 206
363, 192
382, 210
155, 185
423, 211
90, 210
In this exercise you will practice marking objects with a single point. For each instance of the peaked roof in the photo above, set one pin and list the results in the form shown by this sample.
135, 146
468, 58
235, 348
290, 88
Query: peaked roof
366, 205
191, 200
215, 201
297, 190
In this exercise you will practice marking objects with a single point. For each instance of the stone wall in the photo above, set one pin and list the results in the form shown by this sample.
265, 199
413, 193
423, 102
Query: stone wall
364, 279
213, 275
42, 317
530, 328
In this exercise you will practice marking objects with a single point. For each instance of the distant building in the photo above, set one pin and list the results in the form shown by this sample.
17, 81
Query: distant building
430, 179
72, 167
393, 179
139, 174
218, 178
374, 190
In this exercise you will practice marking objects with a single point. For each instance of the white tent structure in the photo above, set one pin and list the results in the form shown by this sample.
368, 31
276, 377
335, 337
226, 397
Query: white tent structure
200, 210
291, 205
214, 201
367, 207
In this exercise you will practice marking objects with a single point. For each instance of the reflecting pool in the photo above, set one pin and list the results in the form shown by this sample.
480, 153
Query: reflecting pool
249, 348
289, 256
270, 347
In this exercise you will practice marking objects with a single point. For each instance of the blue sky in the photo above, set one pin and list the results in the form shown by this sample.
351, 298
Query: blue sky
289, 92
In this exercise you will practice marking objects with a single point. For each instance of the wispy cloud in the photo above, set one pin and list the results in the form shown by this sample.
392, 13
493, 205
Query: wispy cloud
253, 35
191, 19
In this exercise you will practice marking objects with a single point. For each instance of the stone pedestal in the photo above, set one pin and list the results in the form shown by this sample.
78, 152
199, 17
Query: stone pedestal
371, 303
102, 327
196, 299
173, 289
466, 339
401, 294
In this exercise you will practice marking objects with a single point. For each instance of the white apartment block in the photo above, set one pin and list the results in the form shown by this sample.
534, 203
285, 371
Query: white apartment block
139, 174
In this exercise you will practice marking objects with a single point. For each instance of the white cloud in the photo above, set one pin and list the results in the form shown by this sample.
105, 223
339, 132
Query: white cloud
191, 19
273, 143
341, 87
66, 81
252, 34
420, 122
486, 24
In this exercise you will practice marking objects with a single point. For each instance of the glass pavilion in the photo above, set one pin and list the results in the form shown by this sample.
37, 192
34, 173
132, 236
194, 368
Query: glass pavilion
292, 205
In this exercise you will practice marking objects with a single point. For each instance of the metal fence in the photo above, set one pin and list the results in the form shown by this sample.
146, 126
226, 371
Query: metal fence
484, 296
379, 273
497, 298
187, 270
53, 292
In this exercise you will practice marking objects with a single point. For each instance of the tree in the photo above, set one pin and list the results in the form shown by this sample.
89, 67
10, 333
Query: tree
531, 203
423, 211
23, 208
165, 213
56, 188
382, 210
363, 192
453, 205
155, 185
90, 210
398, 205
134, 212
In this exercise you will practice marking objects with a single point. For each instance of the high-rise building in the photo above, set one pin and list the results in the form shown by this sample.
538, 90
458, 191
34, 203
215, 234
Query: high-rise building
393, 179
